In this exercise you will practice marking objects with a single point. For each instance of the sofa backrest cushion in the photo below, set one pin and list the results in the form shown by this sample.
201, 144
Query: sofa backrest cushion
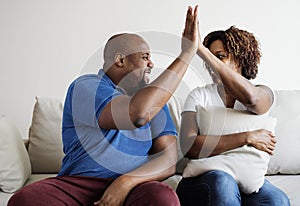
15, 165
45, 139
175, 105
286, 158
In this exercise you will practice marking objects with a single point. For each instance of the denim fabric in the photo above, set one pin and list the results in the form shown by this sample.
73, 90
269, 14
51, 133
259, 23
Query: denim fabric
217, 188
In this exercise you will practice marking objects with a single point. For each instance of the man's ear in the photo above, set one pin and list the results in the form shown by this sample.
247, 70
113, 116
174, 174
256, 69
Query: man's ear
119, 59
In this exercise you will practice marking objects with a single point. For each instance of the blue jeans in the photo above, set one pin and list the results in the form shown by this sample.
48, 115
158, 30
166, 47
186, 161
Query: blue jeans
218, 188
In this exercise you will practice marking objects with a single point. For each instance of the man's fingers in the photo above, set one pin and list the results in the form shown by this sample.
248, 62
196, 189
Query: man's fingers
187, 20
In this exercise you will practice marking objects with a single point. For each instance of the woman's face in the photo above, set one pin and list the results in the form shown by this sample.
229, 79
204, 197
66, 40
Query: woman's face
217, 48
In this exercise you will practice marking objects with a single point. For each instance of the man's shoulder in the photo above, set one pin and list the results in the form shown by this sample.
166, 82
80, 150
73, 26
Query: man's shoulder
91, 79
87, 78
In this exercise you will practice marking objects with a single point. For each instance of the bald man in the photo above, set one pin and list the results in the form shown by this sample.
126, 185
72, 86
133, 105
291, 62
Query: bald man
118, 136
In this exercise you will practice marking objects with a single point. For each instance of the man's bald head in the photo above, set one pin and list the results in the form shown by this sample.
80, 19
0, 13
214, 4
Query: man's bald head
123, 43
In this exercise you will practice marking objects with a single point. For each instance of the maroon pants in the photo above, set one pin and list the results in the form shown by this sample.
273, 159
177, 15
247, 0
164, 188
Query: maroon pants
75, 190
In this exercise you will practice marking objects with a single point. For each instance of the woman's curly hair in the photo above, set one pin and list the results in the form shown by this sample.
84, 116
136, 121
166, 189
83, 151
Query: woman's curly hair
242, 45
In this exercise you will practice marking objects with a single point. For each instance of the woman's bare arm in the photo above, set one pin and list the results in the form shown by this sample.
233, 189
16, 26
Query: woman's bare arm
196, 146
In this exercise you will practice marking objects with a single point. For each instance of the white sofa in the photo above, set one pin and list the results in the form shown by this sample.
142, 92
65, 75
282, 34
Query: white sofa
40, 156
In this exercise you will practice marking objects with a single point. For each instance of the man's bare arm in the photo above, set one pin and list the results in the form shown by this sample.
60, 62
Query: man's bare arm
126, 112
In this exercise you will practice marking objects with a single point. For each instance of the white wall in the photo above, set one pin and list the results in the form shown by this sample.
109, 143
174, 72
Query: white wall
45, 44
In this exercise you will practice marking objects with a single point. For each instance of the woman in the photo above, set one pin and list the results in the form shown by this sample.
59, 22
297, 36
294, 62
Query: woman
231, 57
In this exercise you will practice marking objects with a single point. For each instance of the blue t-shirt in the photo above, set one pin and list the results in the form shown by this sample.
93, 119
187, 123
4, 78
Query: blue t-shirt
93, 151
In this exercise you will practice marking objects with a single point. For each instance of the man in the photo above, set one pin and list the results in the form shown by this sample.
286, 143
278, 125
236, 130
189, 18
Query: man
118, 136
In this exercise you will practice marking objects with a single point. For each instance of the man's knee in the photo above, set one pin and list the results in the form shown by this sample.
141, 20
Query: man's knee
153, 193
39, 193
162, 194
23, 197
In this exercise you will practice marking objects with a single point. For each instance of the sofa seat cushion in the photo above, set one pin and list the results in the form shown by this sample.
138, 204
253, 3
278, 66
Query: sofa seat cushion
37, 177
289, 184
173, 181
4, 197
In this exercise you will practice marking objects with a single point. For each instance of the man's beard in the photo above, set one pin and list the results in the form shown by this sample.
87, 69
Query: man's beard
140, 86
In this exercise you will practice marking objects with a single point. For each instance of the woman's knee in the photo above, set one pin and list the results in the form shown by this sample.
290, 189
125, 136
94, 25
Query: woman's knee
224, 189
220, 180
280, 201
268, 194
278, 198
212, 188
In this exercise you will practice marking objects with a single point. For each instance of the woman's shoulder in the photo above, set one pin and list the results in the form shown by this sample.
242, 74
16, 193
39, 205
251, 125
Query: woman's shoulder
201, 95
204, 90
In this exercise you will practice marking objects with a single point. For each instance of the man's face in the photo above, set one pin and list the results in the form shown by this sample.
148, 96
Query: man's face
138, 67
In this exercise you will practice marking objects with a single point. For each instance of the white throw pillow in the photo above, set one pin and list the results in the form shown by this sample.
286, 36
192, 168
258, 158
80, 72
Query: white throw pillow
45, 139
15, 165
246, 164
